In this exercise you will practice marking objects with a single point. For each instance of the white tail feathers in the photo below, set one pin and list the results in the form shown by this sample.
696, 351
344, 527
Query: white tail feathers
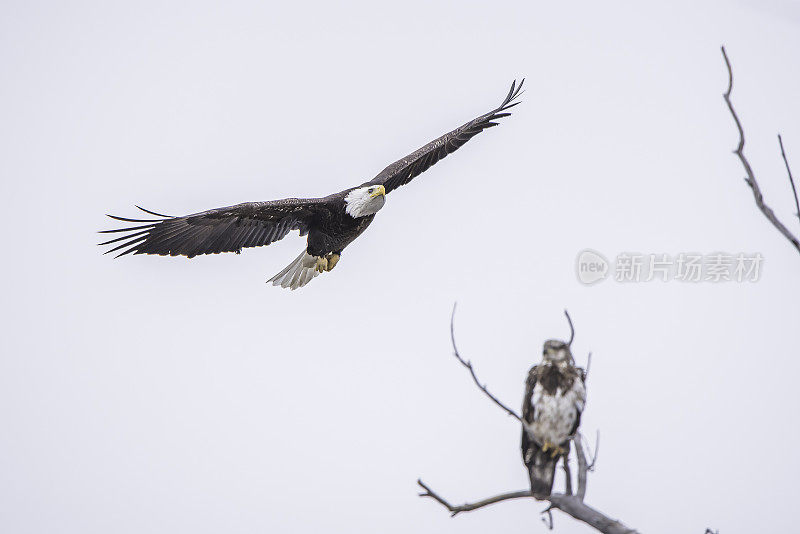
298, 273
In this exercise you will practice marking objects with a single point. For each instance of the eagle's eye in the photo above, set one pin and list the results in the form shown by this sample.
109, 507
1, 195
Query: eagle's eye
371, 190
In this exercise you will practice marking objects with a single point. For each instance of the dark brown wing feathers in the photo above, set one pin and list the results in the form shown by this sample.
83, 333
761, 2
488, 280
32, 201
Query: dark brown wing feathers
403, 171
255, 224
227, 229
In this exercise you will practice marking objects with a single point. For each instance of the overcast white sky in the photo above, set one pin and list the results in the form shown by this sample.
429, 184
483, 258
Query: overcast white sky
164, 395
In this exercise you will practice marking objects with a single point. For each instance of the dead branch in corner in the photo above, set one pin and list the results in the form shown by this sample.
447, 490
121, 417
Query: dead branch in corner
750, 179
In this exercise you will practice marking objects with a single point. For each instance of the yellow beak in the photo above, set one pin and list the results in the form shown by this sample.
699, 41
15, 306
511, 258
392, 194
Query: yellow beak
380, 191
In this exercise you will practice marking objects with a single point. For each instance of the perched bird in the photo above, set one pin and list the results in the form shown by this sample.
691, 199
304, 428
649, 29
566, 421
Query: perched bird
331, 222
555, 394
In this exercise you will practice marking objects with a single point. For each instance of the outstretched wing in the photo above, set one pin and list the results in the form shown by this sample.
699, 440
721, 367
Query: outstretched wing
403, 171
230, 229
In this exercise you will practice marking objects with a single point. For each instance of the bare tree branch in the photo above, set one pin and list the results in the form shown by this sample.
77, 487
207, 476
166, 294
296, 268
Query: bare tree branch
571, 505
579, 510
791, 180
468, 365
751, 178
583, 467
571, 339
567, 476
467, 507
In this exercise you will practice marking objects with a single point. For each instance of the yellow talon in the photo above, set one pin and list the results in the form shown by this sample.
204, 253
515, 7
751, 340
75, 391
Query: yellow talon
322, 264
555, 450
333, 259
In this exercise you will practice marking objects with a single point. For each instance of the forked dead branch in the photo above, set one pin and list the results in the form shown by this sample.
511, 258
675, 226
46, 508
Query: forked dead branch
750, 178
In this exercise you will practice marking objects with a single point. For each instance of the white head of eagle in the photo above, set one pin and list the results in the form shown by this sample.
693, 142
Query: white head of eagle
364, 201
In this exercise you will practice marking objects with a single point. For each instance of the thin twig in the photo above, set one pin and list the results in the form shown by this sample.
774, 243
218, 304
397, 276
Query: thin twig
454, 510
593, 454
751, 178
588, 366
791, 180
547, 517
571, 328
468, 365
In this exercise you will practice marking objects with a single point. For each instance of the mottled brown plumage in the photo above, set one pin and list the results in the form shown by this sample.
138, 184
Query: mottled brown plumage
551, 410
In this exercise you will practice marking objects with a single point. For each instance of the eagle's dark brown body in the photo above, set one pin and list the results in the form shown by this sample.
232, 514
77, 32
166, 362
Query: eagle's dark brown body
333, 229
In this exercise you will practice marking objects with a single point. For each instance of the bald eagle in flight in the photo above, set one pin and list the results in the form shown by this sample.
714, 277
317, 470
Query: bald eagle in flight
555, 394
331, 222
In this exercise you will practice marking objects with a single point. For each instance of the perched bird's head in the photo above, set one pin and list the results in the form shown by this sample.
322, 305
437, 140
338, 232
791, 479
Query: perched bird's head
556, 352
364, 201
